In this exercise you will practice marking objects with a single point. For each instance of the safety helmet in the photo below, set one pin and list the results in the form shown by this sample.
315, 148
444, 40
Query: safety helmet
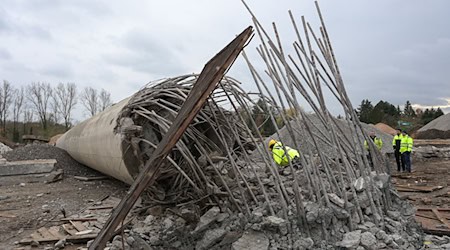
271, 143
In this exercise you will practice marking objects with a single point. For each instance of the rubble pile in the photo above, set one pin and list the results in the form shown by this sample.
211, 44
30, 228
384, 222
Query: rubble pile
324, 226
44, 151
430, 151
4, 149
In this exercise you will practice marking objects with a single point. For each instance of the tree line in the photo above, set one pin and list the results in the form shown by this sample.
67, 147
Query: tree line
389, 114
47, 104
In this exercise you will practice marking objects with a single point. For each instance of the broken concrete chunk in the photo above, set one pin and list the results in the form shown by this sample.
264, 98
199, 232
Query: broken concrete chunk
304, 244
222, 216
209, 217
359, 184
275, 224
251, 240
336, 200
210, 238
368, 240
381, 180
27, 167
168, 223
351, 239
60, 244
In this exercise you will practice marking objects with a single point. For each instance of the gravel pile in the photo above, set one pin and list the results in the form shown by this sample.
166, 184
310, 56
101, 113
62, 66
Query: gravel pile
45, 151
438, 128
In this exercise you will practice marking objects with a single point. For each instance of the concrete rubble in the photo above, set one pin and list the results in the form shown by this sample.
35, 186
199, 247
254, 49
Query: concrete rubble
4, 148
26, 167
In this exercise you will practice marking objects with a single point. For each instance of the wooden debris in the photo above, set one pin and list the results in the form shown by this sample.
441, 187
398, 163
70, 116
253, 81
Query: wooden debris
7, 215
417, 188
434, 220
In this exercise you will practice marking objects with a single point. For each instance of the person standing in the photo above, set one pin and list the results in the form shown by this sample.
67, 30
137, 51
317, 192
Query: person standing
378, 143
396, 142
406, 149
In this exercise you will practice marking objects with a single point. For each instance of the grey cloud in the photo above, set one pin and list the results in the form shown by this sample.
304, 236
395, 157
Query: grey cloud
62, 71
144, 53
4, 54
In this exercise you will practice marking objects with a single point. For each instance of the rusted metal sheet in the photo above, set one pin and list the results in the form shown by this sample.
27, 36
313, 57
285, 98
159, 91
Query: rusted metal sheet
434, 220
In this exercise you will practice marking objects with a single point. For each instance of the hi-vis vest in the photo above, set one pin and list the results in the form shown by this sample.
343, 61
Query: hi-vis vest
397, 138
378, 142
406, 144
280, 156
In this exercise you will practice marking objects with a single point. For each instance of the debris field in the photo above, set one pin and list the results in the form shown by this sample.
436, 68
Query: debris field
219, 188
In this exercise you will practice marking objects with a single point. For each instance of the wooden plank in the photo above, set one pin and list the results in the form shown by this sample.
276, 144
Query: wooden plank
69, 229
36, 236
79, 219
423, 208
441, 219
78, 226
55, 232
207, 81
7, 215
45, 233
70, 238
425, 189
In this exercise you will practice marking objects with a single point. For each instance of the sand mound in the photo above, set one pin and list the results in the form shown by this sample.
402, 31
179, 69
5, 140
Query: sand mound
385, 128
438, 128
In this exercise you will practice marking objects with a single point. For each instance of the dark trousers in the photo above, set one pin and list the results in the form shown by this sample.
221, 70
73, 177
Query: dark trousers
400, 161
406, 157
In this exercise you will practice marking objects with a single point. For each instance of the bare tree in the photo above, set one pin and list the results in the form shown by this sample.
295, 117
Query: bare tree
89, 98
39, 95
27, 117
17, 108
6, 99
66, 95
104, 100
54, 107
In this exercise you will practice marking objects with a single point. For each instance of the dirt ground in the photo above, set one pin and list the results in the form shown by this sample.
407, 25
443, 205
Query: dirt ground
28, 203
429, 173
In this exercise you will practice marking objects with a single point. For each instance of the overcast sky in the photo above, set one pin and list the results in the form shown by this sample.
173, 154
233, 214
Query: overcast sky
387, 49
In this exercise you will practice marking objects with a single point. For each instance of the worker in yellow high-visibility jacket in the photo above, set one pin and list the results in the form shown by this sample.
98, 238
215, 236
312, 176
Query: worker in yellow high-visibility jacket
406, 149
378, 143
282, 154
396, 143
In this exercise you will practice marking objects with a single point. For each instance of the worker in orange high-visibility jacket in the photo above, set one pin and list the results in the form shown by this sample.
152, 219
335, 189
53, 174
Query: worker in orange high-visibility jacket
406, 149
396, 143
282, 154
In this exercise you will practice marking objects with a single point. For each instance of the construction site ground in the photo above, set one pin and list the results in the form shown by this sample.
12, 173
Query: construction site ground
29, 202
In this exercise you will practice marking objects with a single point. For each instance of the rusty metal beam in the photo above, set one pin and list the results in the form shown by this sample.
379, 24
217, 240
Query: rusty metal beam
210, 76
